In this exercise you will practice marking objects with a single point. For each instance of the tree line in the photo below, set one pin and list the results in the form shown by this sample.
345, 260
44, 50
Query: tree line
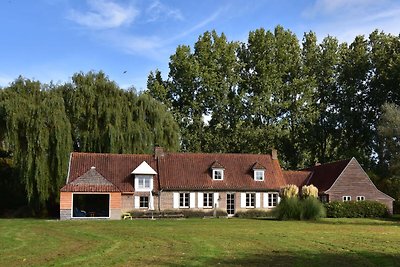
41, 124
313, 100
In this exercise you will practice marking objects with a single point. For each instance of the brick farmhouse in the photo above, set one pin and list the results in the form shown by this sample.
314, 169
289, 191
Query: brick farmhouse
106, 185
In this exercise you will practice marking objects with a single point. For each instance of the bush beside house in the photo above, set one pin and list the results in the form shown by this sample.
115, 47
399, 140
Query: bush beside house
359, 209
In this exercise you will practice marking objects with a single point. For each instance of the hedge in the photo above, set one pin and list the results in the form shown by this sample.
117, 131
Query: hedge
186, 213
253, 213
356, 209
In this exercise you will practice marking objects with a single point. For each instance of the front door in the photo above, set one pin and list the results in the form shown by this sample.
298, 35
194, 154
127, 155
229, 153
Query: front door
230, 204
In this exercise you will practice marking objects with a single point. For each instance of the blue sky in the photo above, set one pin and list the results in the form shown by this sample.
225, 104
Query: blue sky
50, 40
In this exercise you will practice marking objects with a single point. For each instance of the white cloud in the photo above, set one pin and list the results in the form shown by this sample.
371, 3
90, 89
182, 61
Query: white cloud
157, 11
104, 14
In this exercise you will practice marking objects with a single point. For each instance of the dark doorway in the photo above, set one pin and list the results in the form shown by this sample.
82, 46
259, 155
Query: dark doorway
91, 205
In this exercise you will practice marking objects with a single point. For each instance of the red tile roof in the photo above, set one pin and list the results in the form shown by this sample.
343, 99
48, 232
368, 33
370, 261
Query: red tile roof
183, 171
324, 175
180, 171
298, 178
116, 168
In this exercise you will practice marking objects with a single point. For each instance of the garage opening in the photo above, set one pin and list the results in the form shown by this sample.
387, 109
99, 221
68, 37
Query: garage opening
91, 205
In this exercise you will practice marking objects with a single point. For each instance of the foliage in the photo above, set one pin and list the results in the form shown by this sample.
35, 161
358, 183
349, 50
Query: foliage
178, 214
288, 209
309, 191
312, 209
253, 213
359, 209
290, 191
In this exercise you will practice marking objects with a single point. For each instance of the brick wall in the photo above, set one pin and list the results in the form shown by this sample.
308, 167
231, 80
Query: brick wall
355, 182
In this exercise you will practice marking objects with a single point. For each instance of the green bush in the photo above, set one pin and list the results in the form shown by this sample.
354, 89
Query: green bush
187, 213
359, 209
288, 209
253, 213
312, 209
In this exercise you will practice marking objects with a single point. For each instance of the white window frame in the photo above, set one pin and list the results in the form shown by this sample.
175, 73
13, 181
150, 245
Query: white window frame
208, 200
271, 197
360, 198
214, 174
185, 204
250, 200
262, 172
141, 181
346, 198
141, 202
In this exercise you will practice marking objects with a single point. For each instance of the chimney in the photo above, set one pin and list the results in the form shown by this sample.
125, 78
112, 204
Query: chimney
274, 153
158, 152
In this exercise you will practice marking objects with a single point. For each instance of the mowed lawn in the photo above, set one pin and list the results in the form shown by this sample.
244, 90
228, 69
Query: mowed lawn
200, 242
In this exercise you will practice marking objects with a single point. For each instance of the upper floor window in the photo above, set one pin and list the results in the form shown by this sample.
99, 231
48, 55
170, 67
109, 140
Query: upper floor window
360, 198
346, 198
143, 182
218, 174
259, 175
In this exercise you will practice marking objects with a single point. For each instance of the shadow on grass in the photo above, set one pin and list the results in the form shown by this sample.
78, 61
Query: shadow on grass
279, 258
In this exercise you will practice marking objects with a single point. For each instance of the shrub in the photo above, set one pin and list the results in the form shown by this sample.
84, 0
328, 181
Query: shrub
187, 213
288, 209
254, 213
309, 191
290, 191
312, 209
359, 209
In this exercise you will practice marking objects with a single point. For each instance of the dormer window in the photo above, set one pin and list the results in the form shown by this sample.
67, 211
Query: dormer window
258, 171
218, 174
217, 171
144, 177
259, 175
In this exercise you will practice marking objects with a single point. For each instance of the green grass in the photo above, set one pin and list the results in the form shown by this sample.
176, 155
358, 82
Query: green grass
200, 242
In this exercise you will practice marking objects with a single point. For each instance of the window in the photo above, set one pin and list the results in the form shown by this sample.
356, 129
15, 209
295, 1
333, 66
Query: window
259, 175
144, 202
360, 198
272, 199
218, 174
323, 198
143, 182
346, 198
184, 199
250, 200
208, 200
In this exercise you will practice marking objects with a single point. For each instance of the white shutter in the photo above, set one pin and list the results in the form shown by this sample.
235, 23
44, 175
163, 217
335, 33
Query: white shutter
258, 200
137, 202
265, 196
175, 203
279, 199
243, 200
216, 203
192, 200
200, 200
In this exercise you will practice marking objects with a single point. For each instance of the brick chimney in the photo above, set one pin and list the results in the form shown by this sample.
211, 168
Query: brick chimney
274, 154
158, 152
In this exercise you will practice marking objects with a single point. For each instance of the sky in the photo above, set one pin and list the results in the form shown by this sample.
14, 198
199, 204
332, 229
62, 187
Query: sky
50, 40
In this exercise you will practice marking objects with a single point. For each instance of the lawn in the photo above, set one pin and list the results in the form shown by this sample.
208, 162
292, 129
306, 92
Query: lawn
200, 242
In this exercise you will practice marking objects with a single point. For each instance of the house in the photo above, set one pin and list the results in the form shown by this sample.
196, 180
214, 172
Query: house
106, 185
343, 180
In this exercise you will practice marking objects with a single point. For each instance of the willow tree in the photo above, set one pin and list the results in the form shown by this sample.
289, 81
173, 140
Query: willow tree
38, 134
105, 118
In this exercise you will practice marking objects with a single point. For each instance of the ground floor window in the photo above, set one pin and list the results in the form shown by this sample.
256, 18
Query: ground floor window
184, 199
272, 199
91, 205
323, 198
143, 202
360, 198
250, 200
208, 200
346, 198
